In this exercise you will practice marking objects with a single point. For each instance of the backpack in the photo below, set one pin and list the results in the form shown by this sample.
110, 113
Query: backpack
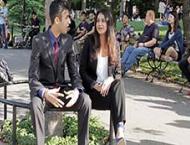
5, 75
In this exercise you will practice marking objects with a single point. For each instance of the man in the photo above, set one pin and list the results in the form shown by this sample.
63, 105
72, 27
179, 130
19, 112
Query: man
83, 26
126, 35
91, 26
35, 23
161, 9
50, 51
72, 25
3, 19
146, 42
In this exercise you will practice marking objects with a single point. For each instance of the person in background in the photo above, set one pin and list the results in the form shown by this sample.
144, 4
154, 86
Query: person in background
161, 9
3, 19
35, 24
99, 70
83, 26
91, 22
147, 41
171, 48
126, 34
72, 25
90, 25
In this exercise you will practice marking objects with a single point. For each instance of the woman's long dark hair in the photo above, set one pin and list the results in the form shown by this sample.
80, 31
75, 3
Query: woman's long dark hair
110, 35
176, 21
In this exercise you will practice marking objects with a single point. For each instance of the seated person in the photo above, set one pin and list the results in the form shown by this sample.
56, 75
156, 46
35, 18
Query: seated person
35, 23
91, 21
98, 69
51, 52
146, 42
72, 25
83, 27
171, 47
90, 25
184, 65
126, 34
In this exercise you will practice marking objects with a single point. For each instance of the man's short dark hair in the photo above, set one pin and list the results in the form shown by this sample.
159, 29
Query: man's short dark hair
84, 13
34, 13
124, 14
56, 8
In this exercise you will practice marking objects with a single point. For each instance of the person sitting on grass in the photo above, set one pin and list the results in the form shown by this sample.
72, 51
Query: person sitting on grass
171, 48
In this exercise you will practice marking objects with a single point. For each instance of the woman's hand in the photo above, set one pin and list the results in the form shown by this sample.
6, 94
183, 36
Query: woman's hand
98, 87
106, 86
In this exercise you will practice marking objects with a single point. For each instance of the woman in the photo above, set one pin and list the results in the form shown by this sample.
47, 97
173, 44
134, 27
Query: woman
98, 68
171, 47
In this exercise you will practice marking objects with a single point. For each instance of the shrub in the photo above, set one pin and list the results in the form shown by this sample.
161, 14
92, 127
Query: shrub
25, 133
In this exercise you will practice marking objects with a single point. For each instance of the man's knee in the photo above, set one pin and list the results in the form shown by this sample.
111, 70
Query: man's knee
86, 101
36, 103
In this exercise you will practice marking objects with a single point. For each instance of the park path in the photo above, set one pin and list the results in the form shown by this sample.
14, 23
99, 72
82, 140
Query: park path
156, 113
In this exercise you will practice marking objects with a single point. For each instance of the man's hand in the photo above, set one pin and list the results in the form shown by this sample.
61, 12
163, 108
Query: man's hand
51, 95
106, 86
73, 95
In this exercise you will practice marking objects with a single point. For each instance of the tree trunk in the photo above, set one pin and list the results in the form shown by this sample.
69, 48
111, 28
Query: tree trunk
47, 19
122, 7
83, 4
53, 120
186, 18
156, 4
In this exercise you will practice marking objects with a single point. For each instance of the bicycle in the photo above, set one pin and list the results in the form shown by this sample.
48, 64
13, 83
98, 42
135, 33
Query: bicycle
23, 41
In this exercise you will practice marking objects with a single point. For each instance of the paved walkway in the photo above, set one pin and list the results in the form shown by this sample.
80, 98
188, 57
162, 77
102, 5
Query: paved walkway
156, 113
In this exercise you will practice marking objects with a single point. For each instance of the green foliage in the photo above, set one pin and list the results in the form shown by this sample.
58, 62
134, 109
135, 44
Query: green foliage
25, 136
20, 11
98, 134
62, 141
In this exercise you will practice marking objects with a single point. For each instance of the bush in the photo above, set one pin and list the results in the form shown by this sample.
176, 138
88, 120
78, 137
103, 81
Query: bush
25, 133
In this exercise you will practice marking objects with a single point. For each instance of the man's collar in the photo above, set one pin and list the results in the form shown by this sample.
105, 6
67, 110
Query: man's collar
53, 39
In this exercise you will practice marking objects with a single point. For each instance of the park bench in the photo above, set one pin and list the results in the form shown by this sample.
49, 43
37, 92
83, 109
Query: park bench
27, 105
157, 67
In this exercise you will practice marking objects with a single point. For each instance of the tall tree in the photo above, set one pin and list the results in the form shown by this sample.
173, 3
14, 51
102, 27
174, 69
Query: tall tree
47, 19
186, 20
83, 4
